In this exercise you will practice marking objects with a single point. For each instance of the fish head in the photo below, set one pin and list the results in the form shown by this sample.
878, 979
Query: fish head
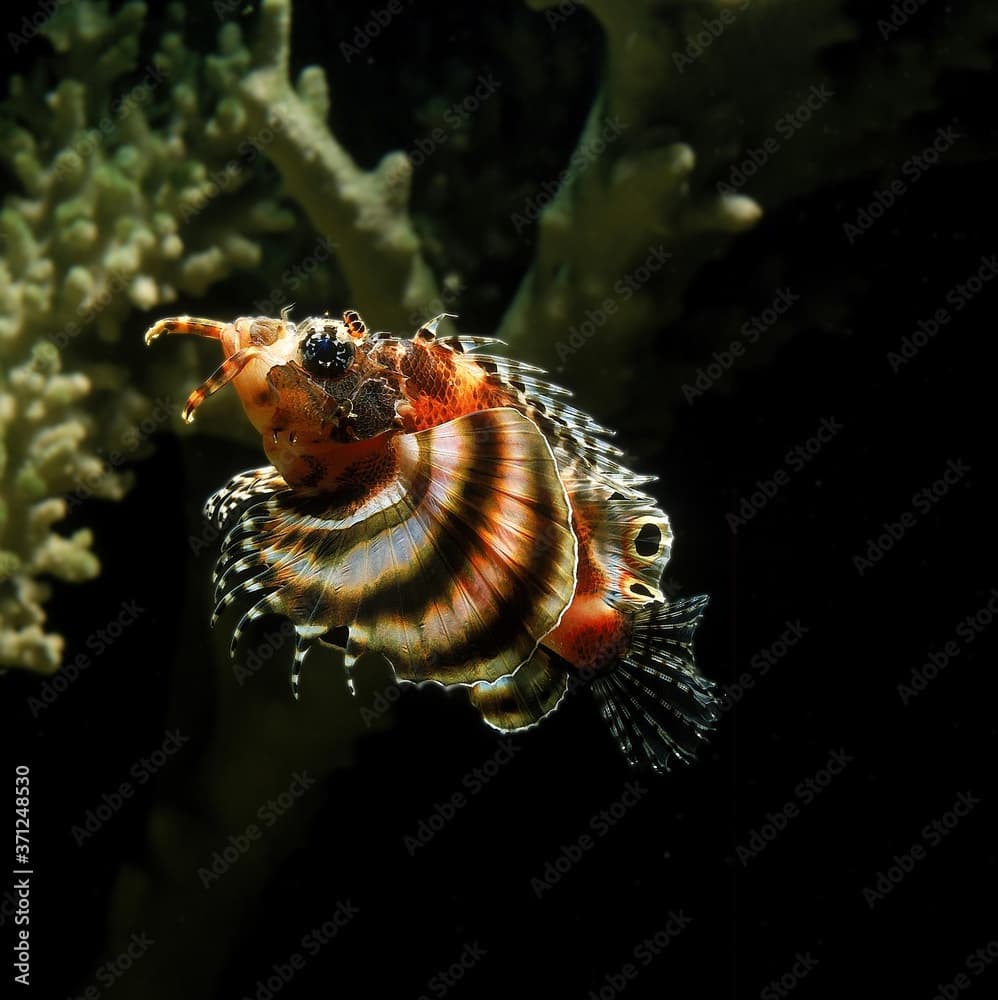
320, 392
324, 395
321, 379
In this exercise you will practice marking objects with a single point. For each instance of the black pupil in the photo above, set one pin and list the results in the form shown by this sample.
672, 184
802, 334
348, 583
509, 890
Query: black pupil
322, 354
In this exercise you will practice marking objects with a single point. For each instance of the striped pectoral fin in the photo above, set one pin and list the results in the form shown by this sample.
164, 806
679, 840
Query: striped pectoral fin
524, 697
222, 506
488, 552
454, 567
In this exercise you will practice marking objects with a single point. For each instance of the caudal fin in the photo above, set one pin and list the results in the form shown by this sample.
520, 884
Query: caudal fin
658, 706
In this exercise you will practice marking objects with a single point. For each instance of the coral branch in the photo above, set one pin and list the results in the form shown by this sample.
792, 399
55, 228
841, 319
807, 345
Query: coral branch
364, 213
679, 106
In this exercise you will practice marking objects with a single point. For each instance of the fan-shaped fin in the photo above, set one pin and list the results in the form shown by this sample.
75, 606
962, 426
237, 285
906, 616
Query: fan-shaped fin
223, 504
454, 568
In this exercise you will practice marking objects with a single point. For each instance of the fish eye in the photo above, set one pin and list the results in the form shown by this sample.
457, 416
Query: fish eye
324, 356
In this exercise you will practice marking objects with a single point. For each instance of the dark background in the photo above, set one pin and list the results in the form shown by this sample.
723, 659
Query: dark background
677, 850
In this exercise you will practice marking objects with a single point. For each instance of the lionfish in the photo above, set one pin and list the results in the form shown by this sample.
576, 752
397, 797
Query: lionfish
452, 511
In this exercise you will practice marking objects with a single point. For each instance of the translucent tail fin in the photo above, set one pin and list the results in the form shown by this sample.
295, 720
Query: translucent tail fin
656, 703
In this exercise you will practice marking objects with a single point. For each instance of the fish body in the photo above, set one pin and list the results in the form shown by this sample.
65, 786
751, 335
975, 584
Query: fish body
452, 511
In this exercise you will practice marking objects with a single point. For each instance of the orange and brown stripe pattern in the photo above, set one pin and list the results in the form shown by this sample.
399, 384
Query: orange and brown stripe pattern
451, 511
454, 570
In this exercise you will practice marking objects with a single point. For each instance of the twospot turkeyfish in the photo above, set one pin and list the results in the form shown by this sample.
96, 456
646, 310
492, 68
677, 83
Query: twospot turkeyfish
450, 510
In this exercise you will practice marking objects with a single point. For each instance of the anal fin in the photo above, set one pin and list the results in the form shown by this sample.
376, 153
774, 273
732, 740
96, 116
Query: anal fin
521, 699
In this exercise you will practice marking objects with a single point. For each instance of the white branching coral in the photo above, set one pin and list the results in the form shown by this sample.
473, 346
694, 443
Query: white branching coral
41, 434
138, 185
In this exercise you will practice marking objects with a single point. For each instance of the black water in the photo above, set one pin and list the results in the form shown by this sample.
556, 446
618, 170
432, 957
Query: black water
817, 847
